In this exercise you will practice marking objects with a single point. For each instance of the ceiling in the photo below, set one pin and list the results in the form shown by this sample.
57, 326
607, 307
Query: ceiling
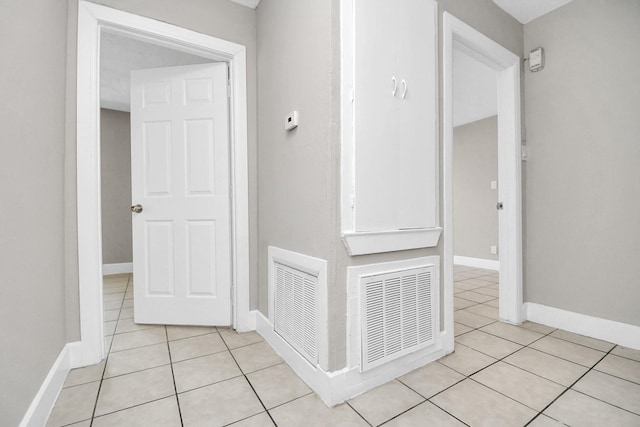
119, 55
249, 3
526, 11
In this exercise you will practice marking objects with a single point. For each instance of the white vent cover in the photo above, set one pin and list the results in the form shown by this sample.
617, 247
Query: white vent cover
295, 309
397, 314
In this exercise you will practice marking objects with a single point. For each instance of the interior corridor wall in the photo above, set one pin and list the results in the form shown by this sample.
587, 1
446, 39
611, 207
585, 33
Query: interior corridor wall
583, 182
475, 218
32, 306
115, 159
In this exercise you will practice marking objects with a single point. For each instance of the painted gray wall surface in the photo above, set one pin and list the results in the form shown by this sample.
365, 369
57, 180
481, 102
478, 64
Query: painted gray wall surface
32, 313
219, 18
115, 152
475, 160
298, 170
583, 181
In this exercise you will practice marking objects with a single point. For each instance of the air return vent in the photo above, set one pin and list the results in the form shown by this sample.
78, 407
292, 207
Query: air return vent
295, 309
397, 314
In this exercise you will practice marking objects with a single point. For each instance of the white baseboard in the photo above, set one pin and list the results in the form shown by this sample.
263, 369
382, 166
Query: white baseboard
251, 320
121, 268
614, 332
336, 387
487, 264
42, 404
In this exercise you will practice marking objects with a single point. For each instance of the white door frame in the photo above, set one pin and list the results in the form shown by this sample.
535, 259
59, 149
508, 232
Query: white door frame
507, 66
92, 20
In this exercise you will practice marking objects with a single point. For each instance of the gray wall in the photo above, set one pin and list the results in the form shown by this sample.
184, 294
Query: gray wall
298, 170
475, 218
219, 18
32, 78
115, 152
583, 182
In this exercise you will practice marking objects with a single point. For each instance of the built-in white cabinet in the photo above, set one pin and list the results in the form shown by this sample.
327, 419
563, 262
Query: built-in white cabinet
389, 125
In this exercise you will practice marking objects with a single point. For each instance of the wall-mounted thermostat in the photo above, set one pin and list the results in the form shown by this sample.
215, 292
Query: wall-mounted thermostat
536, 59
291, 121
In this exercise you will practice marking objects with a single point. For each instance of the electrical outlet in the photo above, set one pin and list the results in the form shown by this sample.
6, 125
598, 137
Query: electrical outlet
494, 250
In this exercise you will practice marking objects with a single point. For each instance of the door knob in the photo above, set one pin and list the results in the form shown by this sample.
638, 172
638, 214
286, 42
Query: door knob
136, 208
499, 206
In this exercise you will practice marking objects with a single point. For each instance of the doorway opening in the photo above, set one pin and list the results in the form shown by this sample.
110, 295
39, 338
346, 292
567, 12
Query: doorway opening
460, 37
94, 21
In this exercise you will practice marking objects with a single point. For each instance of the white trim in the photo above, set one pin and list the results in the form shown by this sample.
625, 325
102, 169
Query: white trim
43, 402
92, 19
487, 264
361, 243
507, 66
121, 268
336, 387
315, 267
614, 332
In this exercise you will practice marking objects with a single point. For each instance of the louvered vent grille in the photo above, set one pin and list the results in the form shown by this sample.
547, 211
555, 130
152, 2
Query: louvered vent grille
295, 315
397, 315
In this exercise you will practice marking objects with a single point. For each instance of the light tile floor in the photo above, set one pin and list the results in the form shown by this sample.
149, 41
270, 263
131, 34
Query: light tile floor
499, 375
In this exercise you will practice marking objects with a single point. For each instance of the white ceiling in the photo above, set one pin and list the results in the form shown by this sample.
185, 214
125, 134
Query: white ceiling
475, 89
119, 55
526, 11
249, 3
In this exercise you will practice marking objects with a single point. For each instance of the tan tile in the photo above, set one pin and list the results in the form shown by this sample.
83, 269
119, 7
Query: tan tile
128, 325
582, 340
114, 289
472, 320
488, 344
110, 327
160, 413
464, 286
127, 303
234, 339
459, 329
86, 423
113, 297
107, 343
522, 386
425, 414
137, 359
431, 379
310, 411
493, 303
537, 327
134, 389
138, 339
474, 296
577, 409
126, 313
180, 332
84, 375
255, 356
620, 367
201, 345
484, 310
112, 305
466, 361
205, 370
111, 315
277, 385
616, 391
478, 405
629, 353
261, 420
74, 404
567, 350
385, 402
219, 404
512, 333
459, 303
495, 293
544, 421
545, 365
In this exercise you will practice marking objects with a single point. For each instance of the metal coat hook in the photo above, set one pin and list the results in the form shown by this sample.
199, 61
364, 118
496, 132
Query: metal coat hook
404, 88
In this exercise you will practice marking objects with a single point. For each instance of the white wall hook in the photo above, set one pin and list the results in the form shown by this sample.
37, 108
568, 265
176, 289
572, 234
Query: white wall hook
404, 88
395, 86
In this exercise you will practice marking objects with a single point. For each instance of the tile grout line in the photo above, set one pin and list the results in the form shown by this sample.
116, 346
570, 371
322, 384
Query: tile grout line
247, 380
173, 376
359, 414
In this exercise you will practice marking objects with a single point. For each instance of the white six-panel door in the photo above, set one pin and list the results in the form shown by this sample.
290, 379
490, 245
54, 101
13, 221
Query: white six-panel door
180, 177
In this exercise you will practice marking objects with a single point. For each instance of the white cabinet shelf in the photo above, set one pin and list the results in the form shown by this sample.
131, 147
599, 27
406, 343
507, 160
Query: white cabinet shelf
389, 125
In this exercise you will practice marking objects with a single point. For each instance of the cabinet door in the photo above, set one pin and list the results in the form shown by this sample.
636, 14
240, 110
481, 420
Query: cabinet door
375, 113
395, 137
